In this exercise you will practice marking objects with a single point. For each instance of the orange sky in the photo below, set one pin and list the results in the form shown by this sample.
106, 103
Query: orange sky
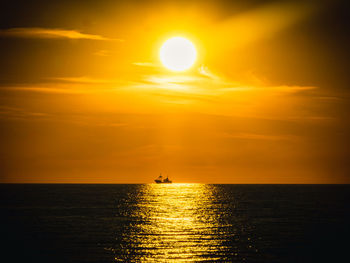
85, 99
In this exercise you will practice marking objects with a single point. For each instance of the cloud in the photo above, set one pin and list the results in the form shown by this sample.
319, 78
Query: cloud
82, 119
254, 136
47, 90
7, 112
85, 80
52, 88
206, 82
263, 22
50, 33
168, 79
103, 53
145, 64
204, 71
277, 89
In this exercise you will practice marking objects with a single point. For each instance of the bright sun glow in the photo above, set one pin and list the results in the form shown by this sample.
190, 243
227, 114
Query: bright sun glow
178, 54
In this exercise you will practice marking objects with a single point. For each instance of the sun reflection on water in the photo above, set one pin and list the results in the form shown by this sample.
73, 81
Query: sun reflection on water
175, 222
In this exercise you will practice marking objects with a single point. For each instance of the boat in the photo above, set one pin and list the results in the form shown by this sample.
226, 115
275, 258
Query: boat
160, 180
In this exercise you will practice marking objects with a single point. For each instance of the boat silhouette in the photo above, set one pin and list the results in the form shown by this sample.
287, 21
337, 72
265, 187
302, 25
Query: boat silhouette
160, 180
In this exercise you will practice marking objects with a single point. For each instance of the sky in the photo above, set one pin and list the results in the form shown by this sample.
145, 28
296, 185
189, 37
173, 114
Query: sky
84, 97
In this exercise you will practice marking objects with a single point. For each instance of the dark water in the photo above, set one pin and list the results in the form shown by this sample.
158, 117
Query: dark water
175, 223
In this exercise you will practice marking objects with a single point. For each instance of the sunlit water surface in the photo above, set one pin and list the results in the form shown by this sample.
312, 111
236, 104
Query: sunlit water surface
178, 222
174, 223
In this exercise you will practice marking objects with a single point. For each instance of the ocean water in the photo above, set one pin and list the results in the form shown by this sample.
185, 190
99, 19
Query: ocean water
175, 223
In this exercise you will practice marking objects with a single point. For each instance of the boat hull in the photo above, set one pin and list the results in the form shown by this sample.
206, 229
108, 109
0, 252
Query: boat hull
160, 182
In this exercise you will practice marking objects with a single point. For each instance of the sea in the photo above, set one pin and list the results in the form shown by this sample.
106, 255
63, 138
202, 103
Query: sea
174, 223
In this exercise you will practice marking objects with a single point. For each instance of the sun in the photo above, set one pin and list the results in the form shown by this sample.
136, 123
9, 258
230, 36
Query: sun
178, 54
